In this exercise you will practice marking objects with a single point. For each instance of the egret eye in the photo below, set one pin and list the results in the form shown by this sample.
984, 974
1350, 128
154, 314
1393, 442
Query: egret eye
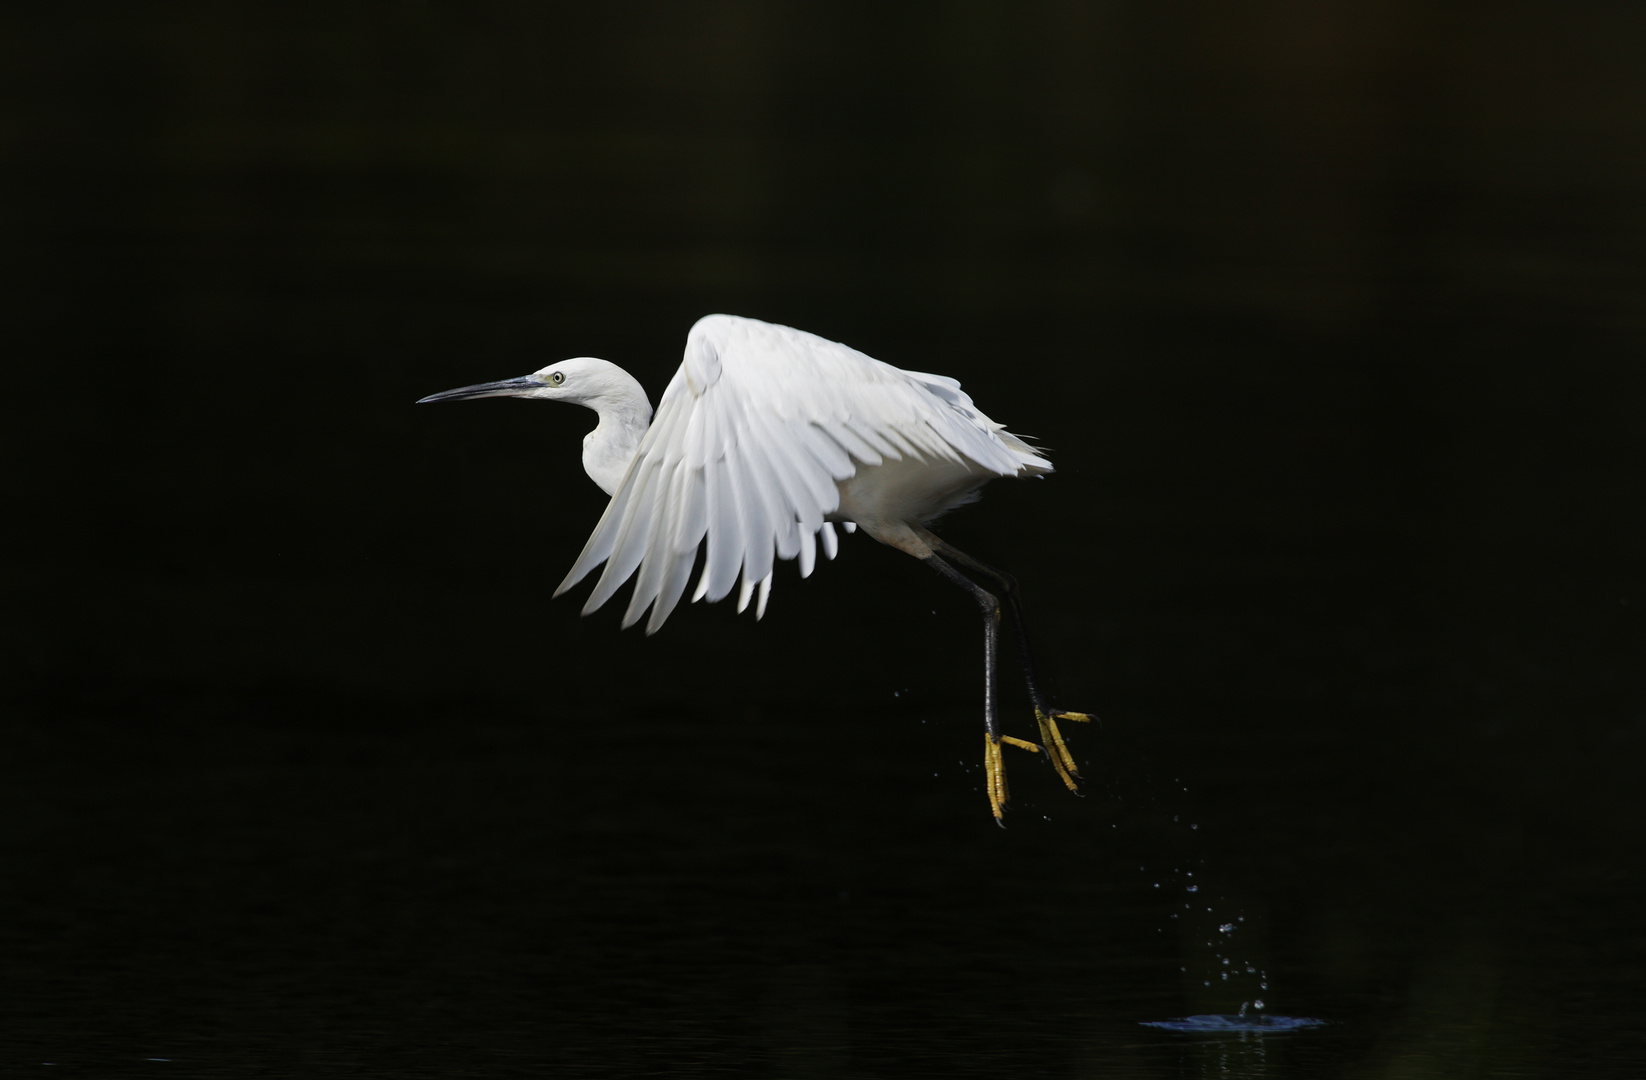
557, 378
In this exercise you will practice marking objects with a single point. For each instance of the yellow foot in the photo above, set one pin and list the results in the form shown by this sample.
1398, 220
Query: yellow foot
1059, 754
994, 771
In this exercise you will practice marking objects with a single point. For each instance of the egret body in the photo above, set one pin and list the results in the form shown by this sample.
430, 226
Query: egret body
765, 438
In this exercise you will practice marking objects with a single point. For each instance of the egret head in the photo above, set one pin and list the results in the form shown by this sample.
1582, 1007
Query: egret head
582, 380
610, 391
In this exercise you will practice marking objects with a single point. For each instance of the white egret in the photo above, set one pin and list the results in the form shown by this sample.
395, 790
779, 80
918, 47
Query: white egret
764, 438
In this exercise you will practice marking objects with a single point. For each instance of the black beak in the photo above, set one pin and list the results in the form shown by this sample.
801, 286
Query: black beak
506, 388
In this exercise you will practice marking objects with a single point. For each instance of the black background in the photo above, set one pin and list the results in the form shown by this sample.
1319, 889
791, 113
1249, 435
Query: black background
1331, 315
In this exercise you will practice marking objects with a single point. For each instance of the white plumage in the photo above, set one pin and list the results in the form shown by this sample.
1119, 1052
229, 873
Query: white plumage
765, 437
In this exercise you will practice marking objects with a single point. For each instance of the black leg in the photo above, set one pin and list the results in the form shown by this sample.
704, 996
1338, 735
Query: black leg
993, 771
1045, 714
1014, 608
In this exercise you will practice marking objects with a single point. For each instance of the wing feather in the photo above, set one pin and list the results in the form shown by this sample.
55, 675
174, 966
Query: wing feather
863, 430
808, 552
726, 540
808, 488
632, 528
855, 446
831, 543
827, 452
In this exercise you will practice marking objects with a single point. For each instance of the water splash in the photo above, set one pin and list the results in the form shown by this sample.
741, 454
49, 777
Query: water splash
1222, 953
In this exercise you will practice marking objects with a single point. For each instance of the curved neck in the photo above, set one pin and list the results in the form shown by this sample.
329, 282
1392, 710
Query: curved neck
608, 449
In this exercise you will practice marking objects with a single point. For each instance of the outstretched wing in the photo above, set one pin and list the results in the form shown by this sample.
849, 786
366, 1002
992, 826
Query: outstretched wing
745, 451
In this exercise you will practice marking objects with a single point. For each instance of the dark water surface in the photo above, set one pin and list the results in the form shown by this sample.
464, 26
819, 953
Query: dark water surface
1330, 316
283, 884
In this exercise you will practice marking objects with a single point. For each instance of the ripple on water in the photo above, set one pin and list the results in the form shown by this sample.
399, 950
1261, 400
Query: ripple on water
1235, 1023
